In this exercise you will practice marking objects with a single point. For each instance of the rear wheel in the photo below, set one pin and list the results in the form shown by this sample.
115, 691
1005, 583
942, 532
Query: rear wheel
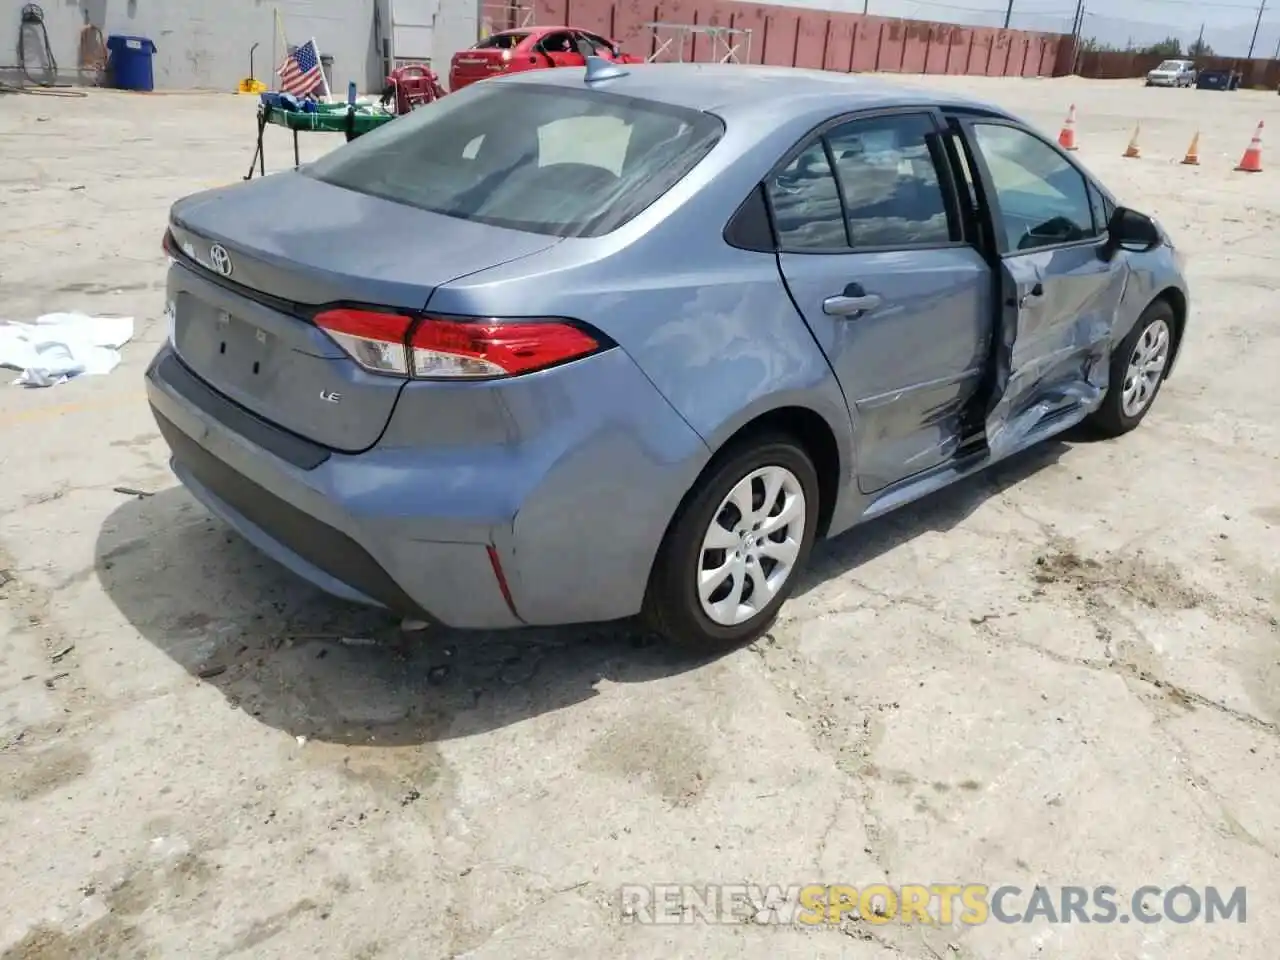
1138, 366
733, 551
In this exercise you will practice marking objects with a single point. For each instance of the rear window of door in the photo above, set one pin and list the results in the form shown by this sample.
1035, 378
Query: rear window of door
1043, 199
560, 161
501, 41
562, 42
892, 196
806, 203
866, 184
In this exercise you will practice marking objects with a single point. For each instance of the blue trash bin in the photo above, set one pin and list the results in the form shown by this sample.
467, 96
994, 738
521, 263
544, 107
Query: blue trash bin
130, 62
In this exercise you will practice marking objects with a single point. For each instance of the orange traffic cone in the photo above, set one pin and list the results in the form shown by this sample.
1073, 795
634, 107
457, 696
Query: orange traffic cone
1193, 151
1251, 162
1132, 151
1067, 136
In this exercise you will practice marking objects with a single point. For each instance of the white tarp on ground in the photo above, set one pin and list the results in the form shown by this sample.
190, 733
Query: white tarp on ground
59, 346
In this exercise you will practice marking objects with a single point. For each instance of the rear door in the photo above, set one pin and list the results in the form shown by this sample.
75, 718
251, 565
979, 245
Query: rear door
874, 255
561, 49
1058, 296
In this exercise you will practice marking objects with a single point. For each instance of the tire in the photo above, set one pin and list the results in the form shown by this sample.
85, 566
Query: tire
673, 605
1128, 401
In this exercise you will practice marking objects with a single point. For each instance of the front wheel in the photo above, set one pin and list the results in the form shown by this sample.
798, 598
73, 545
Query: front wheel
1138, 366
732, 554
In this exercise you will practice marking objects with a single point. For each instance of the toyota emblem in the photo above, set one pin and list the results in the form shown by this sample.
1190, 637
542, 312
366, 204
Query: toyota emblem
220, 259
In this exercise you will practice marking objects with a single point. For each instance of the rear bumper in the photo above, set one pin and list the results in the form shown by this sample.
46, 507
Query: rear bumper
286, 501
573, 520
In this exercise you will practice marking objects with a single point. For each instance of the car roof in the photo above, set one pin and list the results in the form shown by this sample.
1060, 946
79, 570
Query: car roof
757, 92
528, 31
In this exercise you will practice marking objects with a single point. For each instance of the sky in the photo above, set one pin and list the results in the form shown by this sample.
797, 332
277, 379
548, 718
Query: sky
1228, 24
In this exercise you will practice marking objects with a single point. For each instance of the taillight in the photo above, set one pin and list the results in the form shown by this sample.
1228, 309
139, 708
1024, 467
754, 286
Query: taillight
374, 340
451, 348
167, 244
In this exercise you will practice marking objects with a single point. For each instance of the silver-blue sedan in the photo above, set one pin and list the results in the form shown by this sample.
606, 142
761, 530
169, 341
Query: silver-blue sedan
576, 345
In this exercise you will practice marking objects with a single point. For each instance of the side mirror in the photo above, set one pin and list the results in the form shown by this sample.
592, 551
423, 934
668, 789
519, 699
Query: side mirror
1131, 230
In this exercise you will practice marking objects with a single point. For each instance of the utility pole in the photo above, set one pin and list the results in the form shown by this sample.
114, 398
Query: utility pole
1008, 15
1256, 27
1200, 42
1077, 28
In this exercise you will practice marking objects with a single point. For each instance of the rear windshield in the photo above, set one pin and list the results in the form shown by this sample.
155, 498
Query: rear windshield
501, 41
563, 161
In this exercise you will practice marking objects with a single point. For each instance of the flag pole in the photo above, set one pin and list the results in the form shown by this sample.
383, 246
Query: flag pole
328, 94
280, 43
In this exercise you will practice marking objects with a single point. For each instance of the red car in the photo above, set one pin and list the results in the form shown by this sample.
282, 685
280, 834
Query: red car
530, 48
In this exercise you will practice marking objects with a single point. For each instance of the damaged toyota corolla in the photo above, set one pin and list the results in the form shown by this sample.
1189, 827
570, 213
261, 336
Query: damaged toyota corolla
576, 345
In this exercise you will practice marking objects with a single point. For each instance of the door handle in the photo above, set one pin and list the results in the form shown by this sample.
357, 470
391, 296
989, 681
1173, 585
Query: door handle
853, 301
1033, 294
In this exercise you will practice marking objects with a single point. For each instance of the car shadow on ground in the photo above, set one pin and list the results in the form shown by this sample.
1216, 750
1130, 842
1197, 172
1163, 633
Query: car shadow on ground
302, 662
938, 512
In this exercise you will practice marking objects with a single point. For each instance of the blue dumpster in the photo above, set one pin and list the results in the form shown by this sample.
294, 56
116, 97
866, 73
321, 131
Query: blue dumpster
130, 62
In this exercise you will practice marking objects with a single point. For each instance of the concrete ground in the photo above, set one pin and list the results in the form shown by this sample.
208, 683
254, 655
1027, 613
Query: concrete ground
1066, 671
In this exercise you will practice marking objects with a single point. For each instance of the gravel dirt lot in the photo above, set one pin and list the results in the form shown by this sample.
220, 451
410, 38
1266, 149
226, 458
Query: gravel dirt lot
1066, 671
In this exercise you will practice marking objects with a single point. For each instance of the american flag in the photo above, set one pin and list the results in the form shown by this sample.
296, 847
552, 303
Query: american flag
301, 73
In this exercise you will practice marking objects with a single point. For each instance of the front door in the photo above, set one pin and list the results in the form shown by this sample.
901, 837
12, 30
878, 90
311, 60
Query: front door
873, 253
1058, 295
599, 46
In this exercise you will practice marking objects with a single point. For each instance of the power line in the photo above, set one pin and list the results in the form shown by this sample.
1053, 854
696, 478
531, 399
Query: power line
1198, 3
950, 6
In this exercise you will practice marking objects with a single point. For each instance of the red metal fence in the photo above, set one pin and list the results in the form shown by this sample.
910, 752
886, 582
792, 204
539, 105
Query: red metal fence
1111, 65
799, 37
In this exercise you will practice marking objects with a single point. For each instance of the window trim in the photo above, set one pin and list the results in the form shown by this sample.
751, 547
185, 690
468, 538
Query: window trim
966, 120
758, 198
946, 184
974, 220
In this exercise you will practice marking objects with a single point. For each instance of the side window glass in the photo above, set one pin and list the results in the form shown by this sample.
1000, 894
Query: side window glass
891, 190
806, 204
1043, 198
558, 43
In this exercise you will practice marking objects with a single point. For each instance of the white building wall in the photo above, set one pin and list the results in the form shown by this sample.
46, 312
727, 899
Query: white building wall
204, 44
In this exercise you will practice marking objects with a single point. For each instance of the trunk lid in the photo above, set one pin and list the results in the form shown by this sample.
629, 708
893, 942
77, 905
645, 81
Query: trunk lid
468, 66
258, 258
